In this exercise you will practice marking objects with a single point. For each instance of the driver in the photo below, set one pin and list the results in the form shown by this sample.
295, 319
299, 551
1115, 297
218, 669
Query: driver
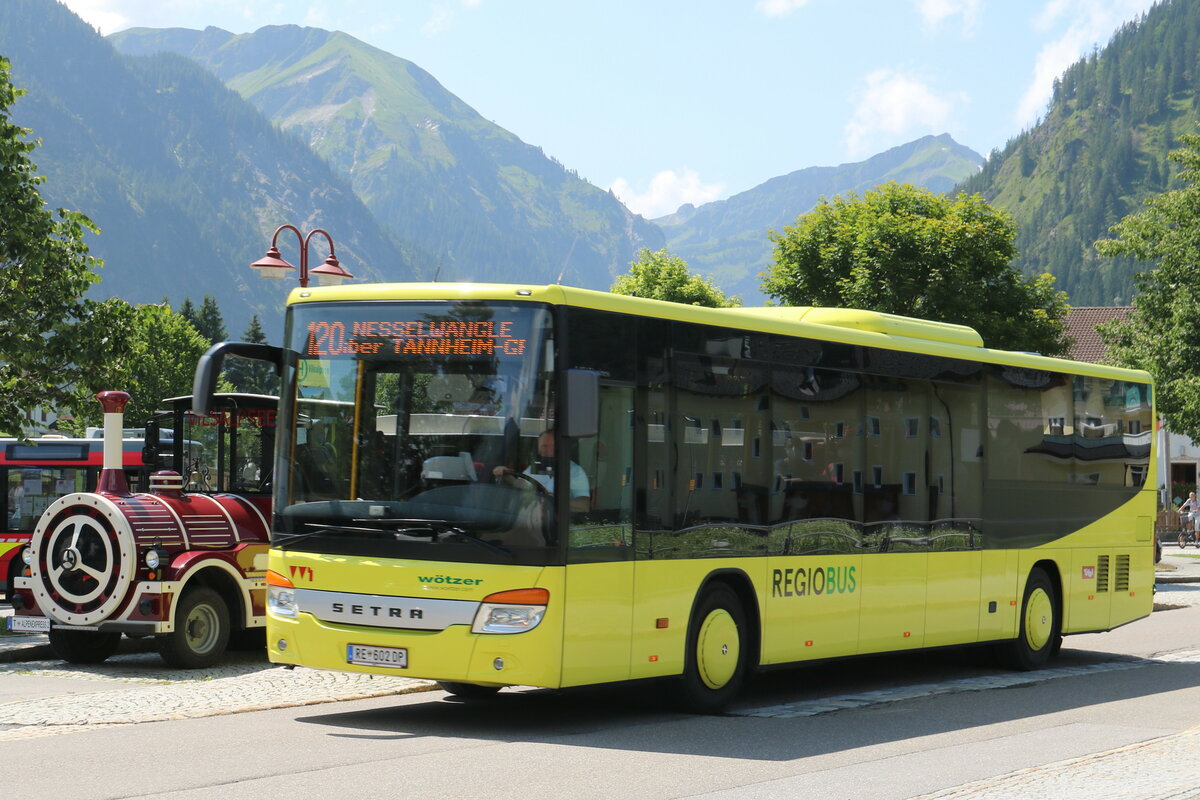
580, 489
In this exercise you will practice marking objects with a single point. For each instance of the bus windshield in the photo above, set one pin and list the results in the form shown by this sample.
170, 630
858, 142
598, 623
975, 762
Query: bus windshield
406, 424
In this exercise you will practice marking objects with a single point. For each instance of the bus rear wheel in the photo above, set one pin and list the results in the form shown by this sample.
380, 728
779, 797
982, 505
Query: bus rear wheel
715, 661
468, 691
83, 647
1040, 633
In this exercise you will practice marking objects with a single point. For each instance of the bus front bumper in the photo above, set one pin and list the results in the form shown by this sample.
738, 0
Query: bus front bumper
531, 658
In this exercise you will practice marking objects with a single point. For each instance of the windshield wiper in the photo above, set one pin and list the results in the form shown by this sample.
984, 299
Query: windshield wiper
434, 529
282, 539
439, 528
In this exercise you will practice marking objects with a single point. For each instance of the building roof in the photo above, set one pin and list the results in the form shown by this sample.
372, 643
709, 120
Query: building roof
1079, 327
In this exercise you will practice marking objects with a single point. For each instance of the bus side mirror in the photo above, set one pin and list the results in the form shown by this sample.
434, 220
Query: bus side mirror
582, 388
208, 368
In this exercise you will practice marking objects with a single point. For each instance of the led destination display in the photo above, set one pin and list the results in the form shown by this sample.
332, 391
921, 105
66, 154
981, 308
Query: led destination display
416, 337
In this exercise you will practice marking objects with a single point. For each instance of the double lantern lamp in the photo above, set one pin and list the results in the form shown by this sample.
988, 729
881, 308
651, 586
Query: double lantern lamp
272, 265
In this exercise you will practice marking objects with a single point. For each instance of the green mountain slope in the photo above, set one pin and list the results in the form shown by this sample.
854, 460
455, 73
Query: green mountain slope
481, 202
186, 180
1100, 151
727, 239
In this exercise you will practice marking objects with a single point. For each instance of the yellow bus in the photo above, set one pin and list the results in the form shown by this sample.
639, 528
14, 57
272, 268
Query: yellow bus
494, 485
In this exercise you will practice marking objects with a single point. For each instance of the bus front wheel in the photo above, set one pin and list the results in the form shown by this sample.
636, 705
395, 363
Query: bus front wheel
1040, 632
715, 661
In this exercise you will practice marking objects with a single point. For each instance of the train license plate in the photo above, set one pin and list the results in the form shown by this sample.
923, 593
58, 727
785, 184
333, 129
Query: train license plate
371, 656
29, 624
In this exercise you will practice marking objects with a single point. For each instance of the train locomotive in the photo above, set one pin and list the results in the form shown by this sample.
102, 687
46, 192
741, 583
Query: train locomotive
183, 562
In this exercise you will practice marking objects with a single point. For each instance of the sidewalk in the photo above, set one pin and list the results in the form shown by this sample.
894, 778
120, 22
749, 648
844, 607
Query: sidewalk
1178, 566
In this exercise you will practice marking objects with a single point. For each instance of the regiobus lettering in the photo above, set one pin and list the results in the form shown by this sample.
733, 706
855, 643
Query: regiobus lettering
803, 581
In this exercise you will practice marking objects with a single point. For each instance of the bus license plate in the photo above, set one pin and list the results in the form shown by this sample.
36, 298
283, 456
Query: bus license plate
377, 656
33, 624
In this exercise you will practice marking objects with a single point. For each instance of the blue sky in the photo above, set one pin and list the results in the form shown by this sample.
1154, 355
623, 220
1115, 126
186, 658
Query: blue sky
673, 101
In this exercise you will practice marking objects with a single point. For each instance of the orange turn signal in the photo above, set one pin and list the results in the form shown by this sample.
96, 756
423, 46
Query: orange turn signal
275, 579
516, 597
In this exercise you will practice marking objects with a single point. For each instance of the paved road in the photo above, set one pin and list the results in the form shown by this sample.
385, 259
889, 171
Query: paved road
1114, 719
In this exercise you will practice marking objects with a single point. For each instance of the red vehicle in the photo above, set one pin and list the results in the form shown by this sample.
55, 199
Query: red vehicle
181, 557
38, 471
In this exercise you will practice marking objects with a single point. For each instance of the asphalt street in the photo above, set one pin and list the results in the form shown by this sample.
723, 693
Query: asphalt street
1140, 755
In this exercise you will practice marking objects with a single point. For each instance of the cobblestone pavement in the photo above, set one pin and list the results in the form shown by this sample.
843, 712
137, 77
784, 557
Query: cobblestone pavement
136, 688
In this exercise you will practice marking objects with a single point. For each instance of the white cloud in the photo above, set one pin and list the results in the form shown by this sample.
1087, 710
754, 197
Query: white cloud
778, 8
1088, 23
111, 16
439, 21
894, 104
100, 14
668, 190
444, 15
935, 12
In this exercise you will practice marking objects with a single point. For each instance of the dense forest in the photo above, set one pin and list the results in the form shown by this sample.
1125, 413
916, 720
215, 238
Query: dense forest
1100, 151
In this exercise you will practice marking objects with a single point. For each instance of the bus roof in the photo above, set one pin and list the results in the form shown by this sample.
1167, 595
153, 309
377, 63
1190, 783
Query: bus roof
852, 326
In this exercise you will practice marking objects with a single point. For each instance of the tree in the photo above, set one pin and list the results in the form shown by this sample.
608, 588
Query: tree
904, 250
246, 375
1162, 334
663, 276
53, 341
209, 322
188, 312
159, 363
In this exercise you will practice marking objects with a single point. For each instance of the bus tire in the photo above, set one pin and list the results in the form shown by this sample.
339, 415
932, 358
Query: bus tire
714, 664
1040, 632
83, 647
467, 691
201, 631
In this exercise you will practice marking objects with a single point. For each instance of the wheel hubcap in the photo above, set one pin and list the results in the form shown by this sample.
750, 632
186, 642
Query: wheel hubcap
200, 629
717, 649
1039, 619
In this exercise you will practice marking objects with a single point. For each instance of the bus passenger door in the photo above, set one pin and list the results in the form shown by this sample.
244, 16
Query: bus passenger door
599, 581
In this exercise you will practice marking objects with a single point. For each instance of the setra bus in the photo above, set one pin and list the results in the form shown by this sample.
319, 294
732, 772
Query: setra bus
492, 485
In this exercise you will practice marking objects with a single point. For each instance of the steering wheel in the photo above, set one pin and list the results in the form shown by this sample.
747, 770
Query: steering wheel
537, 485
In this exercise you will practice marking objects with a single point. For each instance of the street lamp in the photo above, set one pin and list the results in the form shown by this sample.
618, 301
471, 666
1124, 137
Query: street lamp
272, 265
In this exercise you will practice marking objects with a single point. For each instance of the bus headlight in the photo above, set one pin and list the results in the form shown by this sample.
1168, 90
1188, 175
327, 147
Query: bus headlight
281, 596
514, 611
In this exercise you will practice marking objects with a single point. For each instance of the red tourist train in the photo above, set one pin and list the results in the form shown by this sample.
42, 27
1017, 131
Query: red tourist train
180, 556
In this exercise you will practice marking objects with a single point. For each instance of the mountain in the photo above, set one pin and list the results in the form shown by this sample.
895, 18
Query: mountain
1100, 151
727, 239
185, 179
478, 201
